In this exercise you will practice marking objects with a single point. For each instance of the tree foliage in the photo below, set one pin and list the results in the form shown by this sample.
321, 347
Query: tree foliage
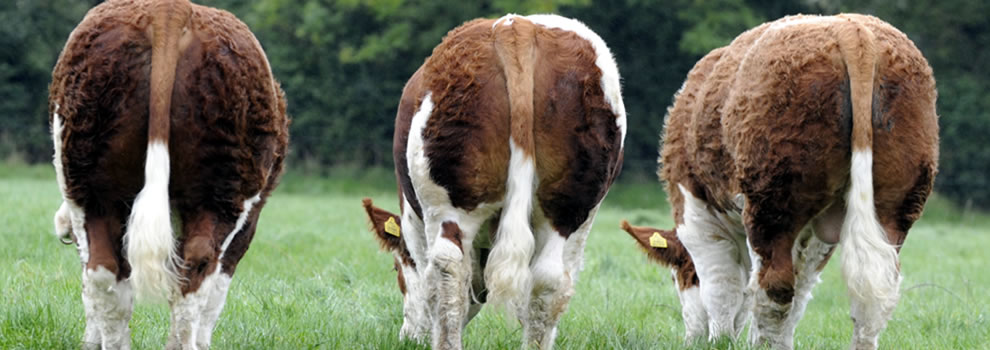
343, 64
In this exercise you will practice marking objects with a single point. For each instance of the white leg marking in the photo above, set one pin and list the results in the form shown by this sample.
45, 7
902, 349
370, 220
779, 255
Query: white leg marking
550, 288
214, 306
611, 85
692, 311
555, 269
187, 316
446, 271
149, 241
714, 241
574, 247
869, 262
507, 274
770, 319
416, 320
108, 310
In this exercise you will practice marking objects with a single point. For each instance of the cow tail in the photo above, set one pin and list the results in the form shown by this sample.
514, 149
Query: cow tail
869, 261
507, 274
149, 241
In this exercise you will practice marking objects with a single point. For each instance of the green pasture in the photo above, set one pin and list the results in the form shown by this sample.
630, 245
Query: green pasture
314, 278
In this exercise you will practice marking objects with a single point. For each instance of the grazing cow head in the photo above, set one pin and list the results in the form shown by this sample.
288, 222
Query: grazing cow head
666, 249
387, 228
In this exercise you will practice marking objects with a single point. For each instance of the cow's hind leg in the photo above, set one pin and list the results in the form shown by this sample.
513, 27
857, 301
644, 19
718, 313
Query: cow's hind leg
717, 248
107, 295
448, 275
199, 252
210, 249
552, 285
775, 322
232, 249
813, 248
787, 255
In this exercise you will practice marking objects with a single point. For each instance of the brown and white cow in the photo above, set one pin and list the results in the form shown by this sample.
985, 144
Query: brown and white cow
506, 140
802, 133
160, 108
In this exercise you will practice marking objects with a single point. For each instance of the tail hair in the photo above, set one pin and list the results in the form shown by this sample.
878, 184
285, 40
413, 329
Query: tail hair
869, 261
149, 239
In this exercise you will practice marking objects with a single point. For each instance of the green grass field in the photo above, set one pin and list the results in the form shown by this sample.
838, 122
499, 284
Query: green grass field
315, 278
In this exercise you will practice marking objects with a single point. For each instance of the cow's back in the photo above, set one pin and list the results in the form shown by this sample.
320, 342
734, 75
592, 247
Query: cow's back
467, 135
776, 102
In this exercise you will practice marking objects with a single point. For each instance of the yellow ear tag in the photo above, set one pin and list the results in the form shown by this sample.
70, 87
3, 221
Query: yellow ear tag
392, 228
657, 241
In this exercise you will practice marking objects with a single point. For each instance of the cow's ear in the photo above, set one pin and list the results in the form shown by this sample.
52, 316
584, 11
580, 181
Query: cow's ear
386, 226
660, 245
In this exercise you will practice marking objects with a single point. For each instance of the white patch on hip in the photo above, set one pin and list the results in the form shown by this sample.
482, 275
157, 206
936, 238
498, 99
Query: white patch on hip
611, 84
108, 304
416, 161
241, 220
